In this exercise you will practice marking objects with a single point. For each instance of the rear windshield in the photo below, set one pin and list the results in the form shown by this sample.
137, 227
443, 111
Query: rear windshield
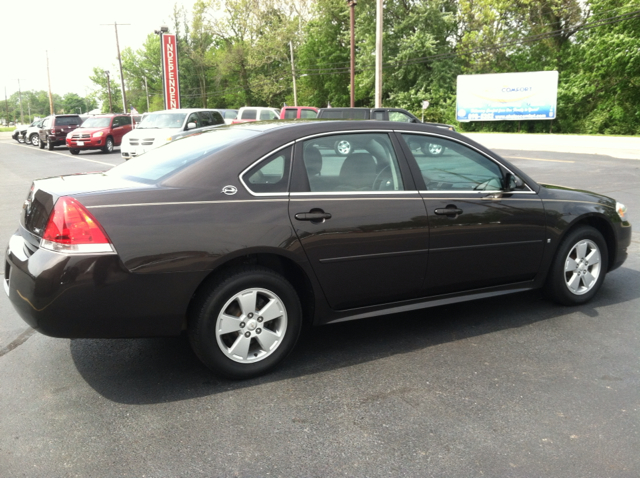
68, 120
163, 120
162, 162
96, 122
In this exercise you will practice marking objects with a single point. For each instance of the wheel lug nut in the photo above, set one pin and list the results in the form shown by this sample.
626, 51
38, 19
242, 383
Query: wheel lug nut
247, 334
242, 324
258, 331
260, 319
250, 315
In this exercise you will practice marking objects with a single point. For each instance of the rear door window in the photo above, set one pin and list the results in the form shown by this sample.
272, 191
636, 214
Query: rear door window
267, 115
352, 162
205, 118
249, 114
399, 116
308, 114
290, 113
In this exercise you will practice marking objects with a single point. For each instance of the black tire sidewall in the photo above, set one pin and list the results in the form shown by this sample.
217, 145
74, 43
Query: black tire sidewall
556, 285
205, 314
106, 148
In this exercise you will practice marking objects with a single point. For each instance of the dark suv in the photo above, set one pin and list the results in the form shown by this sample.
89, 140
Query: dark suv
381, 114
55, 128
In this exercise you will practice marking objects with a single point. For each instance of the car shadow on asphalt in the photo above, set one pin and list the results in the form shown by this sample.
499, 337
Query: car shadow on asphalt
148, 371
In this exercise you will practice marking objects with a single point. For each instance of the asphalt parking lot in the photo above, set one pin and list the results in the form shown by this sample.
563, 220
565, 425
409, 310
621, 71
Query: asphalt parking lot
514, 386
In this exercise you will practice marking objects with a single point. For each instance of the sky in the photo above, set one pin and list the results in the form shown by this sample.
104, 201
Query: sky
76, 42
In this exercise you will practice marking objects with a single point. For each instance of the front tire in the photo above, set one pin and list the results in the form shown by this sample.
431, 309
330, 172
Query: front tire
108, 146
579, 267
245, 323
74, 151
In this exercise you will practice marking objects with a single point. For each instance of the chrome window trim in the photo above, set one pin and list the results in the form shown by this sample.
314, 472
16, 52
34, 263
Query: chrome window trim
330, 133
386, 198
482, 153
183, 203
353, 193
291, 143
458, 191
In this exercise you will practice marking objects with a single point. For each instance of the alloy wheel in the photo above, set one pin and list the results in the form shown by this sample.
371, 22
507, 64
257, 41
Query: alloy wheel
251, 325
582, 267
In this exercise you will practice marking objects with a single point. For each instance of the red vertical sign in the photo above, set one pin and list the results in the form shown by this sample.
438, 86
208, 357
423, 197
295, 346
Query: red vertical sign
170, 70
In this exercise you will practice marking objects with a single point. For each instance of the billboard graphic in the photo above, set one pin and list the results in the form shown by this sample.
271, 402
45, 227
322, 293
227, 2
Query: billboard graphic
507, 96
171, 82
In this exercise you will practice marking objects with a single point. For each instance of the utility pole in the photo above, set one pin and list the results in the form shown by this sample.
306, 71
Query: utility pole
293, 74
161, 31
6, 105
352, 19
20, 97
109, 87
378, 91
51, 111
124, 95
146, 89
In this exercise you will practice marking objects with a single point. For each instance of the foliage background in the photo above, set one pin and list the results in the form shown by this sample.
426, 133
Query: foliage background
237, 52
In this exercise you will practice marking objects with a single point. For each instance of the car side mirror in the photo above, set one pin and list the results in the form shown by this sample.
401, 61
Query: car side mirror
513, 182
191, 125
415, 120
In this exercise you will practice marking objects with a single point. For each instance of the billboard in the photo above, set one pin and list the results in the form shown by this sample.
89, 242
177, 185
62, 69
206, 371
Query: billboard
171, 83
507, 96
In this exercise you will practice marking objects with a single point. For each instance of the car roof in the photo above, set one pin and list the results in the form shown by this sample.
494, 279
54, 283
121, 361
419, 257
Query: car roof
182, 110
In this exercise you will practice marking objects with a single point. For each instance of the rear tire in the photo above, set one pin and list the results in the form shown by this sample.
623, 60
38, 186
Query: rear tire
49, 145
41, 144
579, 268
34, 139
245, 323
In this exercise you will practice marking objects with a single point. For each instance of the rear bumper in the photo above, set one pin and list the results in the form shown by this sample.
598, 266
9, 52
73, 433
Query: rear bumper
93, 296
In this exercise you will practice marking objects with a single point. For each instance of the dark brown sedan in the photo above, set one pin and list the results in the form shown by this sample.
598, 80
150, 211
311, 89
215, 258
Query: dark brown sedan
245, 234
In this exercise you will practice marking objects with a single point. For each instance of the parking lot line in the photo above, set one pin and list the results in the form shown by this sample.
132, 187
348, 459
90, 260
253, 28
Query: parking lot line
67, 156
539, 159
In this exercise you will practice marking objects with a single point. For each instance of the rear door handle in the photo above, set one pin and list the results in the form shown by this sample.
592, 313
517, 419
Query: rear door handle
312, 216
448, 211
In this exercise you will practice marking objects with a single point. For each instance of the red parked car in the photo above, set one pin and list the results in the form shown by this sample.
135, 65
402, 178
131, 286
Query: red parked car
298, 112
99, 132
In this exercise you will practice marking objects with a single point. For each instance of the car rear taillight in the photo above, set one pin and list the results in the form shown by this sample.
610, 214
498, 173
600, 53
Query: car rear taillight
72, 228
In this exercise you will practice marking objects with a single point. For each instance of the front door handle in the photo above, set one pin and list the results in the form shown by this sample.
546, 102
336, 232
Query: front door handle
312, 216
448, 211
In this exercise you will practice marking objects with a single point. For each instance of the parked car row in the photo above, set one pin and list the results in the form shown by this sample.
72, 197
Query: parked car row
138, 134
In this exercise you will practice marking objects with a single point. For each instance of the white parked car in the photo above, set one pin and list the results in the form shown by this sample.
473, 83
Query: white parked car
161, 127
31, 135
256, 113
